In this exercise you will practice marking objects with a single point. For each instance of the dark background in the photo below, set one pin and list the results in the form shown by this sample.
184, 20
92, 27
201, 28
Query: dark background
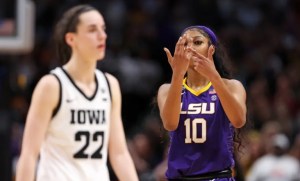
261, 36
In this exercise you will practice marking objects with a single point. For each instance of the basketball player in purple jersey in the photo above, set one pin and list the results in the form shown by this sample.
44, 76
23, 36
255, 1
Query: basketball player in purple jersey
201, 108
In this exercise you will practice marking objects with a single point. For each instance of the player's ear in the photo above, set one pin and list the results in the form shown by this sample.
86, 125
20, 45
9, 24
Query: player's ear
69, 38
211, 51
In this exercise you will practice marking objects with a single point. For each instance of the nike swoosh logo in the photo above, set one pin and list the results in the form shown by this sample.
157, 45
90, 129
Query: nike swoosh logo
69, 100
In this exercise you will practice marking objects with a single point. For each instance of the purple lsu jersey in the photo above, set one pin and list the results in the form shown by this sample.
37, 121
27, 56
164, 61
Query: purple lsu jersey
203, 141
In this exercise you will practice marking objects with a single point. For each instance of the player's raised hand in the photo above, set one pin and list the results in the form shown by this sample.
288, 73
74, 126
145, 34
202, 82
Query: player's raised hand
180, 61
204, 65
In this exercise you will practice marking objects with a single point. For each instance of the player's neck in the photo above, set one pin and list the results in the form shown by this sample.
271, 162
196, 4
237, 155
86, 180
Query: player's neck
195, 82
81, 71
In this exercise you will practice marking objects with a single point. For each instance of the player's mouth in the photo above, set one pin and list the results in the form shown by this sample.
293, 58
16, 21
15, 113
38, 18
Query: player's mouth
101, 47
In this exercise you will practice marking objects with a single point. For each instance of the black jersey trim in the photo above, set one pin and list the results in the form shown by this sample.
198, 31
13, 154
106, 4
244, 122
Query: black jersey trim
60, 96
227, 173
110, 95
87, 97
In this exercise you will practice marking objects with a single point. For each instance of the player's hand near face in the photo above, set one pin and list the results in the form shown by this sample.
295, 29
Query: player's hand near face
168, 97
204, 65
180, 61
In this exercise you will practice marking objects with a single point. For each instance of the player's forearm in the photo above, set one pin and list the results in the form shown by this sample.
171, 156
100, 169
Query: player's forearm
124, 167
26, 168
171, 109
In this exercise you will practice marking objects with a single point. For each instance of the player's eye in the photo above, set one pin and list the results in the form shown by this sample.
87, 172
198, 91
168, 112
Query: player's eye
92, 29
198, 42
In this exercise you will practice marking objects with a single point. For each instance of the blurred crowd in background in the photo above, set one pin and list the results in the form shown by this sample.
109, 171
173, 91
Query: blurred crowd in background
261, 36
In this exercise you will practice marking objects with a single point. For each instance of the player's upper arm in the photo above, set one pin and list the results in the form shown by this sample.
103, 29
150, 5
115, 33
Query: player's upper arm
115, 93
237, 89
44, 100
162, 95
119, 156
117, 141
239, 93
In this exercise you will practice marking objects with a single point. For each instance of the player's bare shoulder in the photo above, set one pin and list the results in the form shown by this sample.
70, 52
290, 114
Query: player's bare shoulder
163, 91
48, 89
233, 83
49, 83
235, 86
115, 88
113, 81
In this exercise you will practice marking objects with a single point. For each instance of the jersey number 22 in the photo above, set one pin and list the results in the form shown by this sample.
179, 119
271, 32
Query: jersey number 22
86, 136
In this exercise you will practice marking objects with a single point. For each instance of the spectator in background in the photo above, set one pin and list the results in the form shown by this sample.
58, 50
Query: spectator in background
257, 144
74, 120
262, 39
276, 165
295, 149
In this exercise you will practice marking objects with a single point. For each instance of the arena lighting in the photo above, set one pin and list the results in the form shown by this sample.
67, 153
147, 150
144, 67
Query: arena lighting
22, 40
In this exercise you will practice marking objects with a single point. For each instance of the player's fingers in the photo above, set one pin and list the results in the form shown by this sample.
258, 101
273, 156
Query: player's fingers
169, 55
196, 54
202, 57
183, 43
180, 44
177, 46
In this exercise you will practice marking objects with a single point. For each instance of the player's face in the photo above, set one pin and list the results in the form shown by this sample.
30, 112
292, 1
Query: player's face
90, 38
197, 41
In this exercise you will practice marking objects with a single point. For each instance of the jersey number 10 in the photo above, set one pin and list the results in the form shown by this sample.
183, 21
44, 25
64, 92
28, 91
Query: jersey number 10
194, 138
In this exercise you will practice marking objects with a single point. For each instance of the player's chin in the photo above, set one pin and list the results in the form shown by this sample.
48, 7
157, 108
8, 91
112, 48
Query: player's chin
100, 55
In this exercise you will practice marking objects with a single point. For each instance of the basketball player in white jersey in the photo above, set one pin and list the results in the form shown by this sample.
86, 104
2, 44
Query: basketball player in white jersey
74, 120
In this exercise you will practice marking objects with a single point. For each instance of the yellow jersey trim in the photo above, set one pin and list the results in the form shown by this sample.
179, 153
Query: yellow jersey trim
197, 93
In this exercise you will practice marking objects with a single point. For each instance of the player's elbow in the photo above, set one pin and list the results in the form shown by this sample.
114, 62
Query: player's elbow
238, 123
170, 126
170, 120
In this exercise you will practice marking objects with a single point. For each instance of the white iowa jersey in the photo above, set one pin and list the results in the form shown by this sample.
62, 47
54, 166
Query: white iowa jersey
75, 147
